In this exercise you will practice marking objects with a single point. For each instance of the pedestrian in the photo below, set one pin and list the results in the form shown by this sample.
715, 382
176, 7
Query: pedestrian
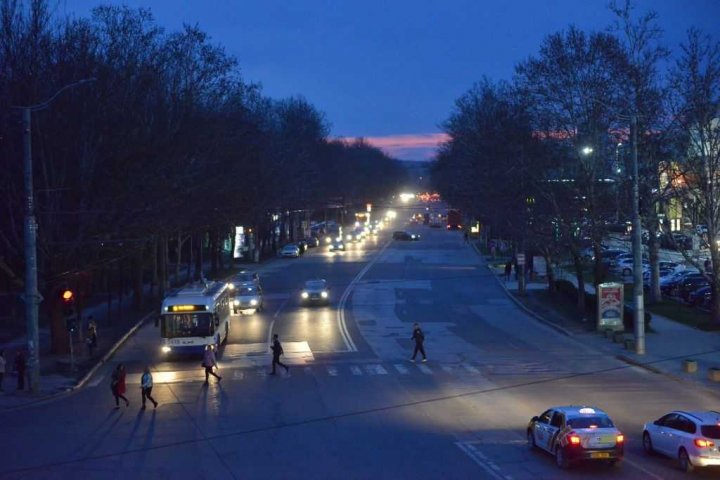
419, 338
117, 385
508, 270
210, 362
91, 340
20, 367
146, 385
277, 350
2, 368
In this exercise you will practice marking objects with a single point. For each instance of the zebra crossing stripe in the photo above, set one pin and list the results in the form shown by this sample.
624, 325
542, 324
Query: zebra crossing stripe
375, 370
238, 375
447, 368
332, 371
471, 369
356, 370
402, 369
425, 369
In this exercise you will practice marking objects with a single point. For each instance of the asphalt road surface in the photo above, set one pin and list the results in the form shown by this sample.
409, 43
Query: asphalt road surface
353, 405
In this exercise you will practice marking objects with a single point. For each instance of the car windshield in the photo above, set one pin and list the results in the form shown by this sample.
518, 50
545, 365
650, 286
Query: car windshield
247, 291
710, 431
289, 247
244, 277
315, 285
590, 422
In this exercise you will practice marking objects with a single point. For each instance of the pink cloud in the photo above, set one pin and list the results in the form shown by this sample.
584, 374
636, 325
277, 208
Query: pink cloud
417, 146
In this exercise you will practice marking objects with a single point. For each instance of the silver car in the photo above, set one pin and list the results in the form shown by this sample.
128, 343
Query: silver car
290, 251
248, 297
690, 437
315, 292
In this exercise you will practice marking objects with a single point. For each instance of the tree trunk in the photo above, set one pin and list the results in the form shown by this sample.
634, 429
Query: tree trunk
577, 261
654, 254
550, 271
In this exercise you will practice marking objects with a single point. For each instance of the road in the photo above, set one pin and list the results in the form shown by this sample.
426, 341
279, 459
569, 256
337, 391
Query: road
353, 405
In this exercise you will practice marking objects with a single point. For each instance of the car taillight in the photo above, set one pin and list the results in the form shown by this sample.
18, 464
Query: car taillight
574, 439
703, 443
620, 438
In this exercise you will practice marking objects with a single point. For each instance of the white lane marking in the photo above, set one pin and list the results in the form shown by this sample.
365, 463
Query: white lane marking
471, 369
342, 324
332, 371
356, 370
238, 375
261, 372
480, 459
402, 369
425, 369
97, 381
642, 469
375, 369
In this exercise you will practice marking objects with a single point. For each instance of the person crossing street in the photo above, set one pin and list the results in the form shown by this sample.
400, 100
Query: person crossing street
210, 362
419, 337
146, 385
277, 350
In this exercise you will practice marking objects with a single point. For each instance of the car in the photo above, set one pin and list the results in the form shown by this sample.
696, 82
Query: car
248, 297
625, 266
244, 277
290, 251
302, 245
690, 284
574, 433
676, 241
690, 437
315, 291
312, 242
697, 297
671, 285
403, 235
337, 245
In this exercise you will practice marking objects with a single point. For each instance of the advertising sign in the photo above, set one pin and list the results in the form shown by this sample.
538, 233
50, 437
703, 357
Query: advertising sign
610, 306
239, 242
521, 259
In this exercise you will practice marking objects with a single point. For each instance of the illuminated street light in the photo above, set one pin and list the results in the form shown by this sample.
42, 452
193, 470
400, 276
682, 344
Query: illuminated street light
587, 150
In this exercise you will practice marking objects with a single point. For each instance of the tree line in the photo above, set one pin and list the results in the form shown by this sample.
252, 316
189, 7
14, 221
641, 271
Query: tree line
546, 159
159, 155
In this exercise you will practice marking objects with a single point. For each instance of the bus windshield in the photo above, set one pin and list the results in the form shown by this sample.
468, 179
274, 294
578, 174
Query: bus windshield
176, 325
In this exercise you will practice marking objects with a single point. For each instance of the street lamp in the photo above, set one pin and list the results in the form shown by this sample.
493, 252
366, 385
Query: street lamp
32, 297
639, 301
587, 150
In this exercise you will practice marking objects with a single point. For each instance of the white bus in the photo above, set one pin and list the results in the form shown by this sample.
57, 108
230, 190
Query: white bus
194, 317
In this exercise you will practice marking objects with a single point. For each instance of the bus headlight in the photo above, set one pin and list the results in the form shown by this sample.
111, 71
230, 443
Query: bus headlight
253, 302
324, 294
304, 295
165, 349
236, 302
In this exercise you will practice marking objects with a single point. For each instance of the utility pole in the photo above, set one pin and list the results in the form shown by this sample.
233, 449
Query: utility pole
32, 296
638, 300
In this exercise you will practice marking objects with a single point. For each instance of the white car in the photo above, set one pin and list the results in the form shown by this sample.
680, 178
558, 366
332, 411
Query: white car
315, 292
690, 437
625, 266
248, 297
573, 433
290, 250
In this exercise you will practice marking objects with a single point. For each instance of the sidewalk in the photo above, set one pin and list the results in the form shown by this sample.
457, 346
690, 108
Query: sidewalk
666, 347
115, 323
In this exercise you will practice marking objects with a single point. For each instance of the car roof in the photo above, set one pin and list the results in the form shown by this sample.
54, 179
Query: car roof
580, 411
315, 282
290, 245
705, 417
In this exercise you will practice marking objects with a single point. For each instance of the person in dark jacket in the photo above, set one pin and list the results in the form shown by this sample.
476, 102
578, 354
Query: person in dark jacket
508, 270
277, 350
146, 385
419, 338
209, 363
20, 368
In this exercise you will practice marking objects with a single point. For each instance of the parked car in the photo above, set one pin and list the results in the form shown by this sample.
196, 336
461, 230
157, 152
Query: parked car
690, 284
312, 242
625, 266
574, 433
676, 241
690, 437
290, 251
609, 255
302, 245
671, 285
697, 297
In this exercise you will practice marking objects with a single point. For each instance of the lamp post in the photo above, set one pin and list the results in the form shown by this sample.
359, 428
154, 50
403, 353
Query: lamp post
32, 297
638, 300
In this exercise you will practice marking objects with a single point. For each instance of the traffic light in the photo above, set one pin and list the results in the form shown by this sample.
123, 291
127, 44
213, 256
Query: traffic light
68, 309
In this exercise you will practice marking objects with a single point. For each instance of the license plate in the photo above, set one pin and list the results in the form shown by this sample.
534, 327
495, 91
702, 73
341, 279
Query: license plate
599, 455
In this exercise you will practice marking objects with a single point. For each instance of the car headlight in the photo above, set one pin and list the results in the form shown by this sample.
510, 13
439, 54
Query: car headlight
231, 286
165, 349
412, 236
349, 237
253, 302
236, 302
324, 294
304, 295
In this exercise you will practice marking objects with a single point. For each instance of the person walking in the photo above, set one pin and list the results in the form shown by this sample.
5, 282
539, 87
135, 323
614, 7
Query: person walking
20, 367
210, 362
419, 338
117, 385
2, 368
277, 350
508, 270
91, 339
146, 386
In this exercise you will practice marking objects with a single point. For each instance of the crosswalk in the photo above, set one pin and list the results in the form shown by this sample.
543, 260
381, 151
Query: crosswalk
339, 370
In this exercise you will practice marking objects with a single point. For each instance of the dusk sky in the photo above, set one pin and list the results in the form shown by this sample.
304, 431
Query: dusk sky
391, 70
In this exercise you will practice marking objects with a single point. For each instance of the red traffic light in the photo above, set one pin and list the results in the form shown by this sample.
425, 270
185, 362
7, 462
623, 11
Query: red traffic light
68, 295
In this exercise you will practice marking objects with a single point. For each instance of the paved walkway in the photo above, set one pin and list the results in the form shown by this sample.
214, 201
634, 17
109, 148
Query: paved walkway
666, 347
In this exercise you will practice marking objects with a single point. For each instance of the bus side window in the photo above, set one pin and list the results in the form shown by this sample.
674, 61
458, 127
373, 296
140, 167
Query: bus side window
217, 320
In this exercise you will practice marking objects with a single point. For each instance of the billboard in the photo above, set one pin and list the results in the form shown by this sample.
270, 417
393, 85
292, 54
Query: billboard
610, 306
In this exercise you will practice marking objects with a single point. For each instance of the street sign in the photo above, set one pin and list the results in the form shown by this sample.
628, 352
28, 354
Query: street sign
521, 259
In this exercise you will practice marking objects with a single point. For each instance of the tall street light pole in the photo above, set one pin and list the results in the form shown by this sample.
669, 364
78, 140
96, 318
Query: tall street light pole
638, 301
32, 296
